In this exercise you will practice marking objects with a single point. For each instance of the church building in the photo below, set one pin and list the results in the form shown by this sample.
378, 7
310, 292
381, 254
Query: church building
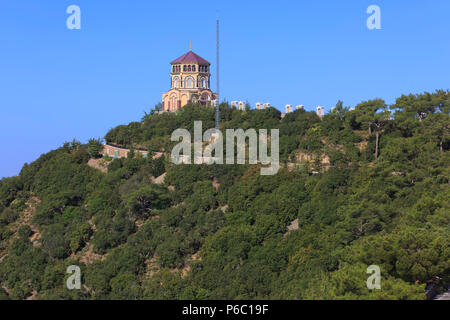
189, 83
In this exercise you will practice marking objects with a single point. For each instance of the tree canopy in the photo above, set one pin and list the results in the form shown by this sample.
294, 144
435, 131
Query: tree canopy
357, 187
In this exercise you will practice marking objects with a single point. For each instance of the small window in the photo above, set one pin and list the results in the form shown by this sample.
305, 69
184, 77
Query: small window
184, 68
193, 68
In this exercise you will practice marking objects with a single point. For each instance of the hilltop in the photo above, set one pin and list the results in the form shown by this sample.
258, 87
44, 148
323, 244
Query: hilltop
361, 187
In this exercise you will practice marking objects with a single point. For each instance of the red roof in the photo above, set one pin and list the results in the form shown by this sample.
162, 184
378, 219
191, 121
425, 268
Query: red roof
190, 57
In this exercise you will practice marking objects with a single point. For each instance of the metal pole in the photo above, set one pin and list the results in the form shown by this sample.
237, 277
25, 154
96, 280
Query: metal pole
217, 76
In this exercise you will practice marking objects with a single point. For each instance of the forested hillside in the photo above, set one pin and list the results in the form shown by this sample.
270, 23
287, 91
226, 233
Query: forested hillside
368, 186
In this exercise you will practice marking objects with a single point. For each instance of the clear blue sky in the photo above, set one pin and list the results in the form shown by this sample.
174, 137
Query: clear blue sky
58, 84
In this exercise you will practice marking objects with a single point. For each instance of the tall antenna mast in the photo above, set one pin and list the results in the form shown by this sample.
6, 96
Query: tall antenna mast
217, 75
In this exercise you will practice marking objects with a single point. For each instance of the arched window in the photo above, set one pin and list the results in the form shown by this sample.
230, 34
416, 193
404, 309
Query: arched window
203, 83
176, 82
184, 68
189, 83
193, 68
189, 68
173, 69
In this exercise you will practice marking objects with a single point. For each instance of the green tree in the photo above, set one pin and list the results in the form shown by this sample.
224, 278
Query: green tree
420, 106
95, 146
142, 201
339, 110
375, 114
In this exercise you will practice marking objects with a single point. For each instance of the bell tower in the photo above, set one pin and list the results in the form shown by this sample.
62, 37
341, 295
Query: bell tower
190, 80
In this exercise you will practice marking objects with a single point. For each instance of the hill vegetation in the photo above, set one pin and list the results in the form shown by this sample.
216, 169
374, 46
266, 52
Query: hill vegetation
368, 186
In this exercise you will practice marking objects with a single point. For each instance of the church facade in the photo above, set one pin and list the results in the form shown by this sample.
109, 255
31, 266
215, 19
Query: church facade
190, 81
